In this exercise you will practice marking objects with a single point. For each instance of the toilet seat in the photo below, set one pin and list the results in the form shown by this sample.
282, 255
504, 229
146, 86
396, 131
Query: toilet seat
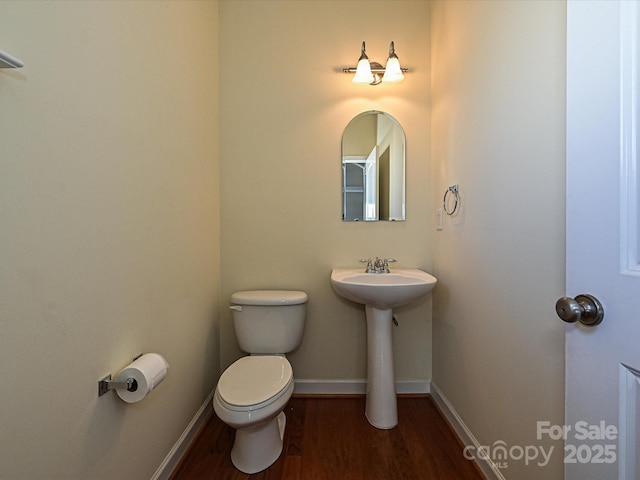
253, 382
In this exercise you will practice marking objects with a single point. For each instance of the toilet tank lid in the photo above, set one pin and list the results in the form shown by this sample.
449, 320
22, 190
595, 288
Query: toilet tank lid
269, 297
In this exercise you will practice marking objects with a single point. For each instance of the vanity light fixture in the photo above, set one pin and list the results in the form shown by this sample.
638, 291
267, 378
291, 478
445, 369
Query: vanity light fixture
7, 61
372, 73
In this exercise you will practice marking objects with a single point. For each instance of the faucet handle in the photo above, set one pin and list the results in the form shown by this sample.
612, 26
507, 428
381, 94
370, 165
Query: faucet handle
387, 261
368, 262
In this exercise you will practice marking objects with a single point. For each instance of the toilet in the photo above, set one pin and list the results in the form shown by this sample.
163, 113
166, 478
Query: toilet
252, 393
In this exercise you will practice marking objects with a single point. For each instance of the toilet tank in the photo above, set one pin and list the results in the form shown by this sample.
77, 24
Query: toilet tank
269, 321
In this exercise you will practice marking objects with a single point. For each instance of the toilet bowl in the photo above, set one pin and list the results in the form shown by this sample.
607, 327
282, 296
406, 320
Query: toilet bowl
253, 392
250, 397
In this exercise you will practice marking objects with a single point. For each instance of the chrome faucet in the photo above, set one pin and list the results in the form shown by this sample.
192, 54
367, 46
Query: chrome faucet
380, 265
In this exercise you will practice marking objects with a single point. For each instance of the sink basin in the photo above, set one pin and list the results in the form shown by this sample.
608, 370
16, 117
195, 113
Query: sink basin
382, 290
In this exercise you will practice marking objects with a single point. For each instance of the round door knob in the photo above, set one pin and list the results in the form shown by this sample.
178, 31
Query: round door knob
585, 309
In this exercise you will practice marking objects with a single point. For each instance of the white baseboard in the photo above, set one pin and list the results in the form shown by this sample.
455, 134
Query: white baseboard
308, 386
174, 456
489, 469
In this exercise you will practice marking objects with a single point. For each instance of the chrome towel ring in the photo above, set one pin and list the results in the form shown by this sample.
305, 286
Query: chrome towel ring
453, 189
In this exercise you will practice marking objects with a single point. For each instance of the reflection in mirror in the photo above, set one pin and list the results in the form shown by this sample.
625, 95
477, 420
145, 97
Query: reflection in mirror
373, 168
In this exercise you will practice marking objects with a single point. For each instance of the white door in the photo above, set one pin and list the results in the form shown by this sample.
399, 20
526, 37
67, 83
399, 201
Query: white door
603, 247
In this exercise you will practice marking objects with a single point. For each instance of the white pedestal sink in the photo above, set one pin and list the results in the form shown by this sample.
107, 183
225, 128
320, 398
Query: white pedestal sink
380, 293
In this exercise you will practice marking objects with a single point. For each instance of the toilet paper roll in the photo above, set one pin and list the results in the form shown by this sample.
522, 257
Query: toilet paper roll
147, 371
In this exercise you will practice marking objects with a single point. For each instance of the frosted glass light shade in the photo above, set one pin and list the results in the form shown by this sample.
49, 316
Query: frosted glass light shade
363, 74
392, 72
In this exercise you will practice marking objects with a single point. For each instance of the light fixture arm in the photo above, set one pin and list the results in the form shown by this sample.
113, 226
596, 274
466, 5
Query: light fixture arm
363, 53
392, 51
375, 68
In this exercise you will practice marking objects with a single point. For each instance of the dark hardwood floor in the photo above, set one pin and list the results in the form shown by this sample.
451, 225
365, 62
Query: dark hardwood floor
330, 438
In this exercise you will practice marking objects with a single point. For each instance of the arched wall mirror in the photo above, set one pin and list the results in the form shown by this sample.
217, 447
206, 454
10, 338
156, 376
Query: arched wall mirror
373, 168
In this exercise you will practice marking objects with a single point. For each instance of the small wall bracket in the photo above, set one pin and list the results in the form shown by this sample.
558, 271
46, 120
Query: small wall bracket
7, 61
105, 384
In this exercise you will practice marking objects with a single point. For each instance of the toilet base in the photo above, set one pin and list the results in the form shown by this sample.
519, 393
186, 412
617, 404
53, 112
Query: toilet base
258, 447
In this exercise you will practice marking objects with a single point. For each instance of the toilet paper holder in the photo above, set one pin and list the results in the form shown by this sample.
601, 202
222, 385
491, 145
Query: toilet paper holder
105, 384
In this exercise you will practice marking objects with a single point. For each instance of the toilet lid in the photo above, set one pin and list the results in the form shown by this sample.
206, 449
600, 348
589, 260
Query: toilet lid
254, 379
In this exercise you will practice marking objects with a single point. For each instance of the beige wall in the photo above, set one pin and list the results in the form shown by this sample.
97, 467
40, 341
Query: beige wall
109, 230
284, 104
498, 131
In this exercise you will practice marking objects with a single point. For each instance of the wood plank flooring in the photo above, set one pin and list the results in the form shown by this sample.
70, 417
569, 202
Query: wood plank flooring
330, 438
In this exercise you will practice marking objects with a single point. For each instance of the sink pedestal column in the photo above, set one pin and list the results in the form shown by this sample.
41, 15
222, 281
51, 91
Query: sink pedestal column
381, 406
